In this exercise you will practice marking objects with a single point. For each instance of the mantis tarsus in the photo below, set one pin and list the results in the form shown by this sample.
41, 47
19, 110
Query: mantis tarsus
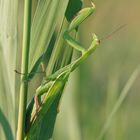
55, 82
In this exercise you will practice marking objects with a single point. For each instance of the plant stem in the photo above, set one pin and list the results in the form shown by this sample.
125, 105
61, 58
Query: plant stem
24, 69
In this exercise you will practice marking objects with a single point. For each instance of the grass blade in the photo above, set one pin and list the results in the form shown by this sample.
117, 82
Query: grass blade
119, 102
42, 31
8, 49
24, 69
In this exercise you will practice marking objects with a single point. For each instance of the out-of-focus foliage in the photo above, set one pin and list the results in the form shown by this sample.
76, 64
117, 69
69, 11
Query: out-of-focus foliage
8, 49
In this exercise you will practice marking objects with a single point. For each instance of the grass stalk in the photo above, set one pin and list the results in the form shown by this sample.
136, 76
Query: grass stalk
24, 69
119, 102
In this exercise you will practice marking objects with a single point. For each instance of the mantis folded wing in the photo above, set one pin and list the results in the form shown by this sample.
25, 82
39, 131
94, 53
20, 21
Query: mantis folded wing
55, 83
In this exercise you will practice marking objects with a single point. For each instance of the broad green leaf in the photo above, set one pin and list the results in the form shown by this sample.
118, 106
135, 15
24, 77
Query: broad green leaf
45, 20
48, 122
8, 48
53, 93
42, 129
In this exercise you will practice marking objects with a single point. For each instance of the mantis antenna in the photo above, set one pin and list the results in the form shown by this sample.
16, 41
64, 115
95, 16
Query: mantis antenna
112, 33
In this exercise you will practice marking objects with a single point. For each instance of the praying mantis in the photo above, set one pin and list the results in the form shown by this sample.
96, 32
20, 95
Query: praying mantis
54, 83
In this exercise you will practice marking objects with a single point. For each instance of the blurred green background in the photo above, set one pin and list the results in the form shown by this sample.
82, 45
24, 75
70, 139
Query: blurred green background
94, 88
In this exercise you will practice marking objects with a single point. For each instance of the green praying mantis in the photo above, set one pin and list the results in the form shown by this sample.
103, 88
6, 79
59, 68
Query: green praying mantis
54, 83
